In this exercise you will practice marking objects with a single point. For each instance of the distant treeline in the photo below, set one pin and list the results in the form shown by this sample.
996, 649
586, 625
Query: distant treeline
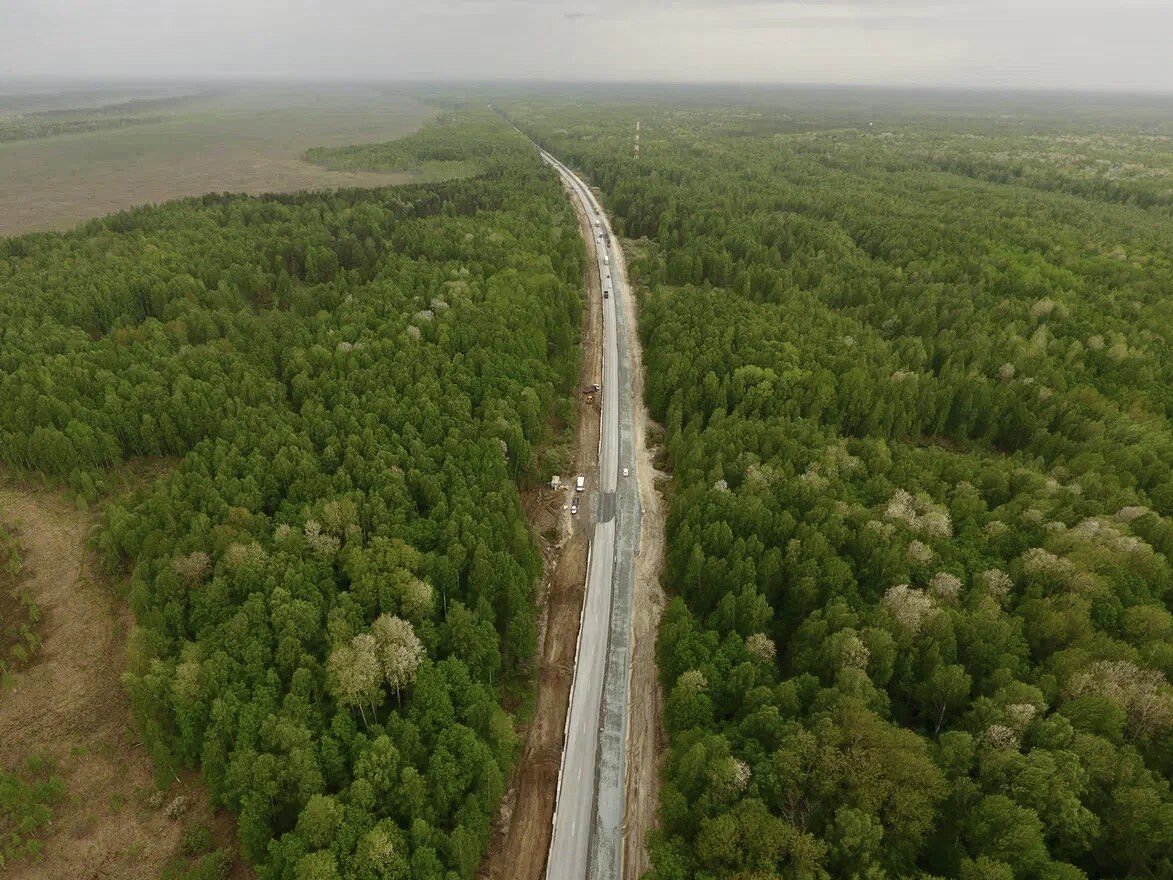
74, 120
30, 128
450, 139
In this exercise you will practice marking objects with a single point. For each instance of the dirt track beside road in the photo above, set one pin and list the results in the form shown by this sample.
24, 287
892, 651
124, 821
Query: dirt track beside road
645, 734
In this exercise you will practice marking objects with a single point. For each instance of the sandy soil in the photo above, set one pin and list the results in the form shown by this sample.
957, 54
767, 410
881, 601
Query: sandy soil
70, 705
522, 840
645, 734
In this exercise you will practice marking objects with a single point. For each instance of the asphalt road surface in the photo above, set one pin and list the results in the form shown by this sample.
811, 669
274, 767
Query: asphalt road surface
575, 809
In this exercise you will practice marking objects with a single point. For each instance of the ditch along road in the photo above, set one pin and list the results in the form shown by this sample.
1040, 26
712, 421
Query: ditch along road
587, 839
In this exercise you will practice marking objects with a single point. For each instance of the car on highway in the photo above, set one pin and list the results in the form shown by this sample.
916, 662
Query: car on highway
626, 472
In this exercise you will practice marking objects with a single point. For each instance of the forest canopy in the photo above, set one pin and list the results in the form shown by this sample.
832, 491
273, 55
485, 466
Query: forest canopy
915, 374
334, 586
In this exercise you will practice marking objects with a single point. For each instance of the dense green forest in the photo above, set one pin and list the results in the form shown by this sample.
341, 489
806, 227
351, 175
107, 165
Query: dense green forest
333, 586
915, 375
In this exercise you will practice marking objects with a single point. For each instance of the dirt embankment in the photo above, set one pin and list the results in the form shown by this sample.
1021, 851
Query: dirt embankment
646, 741
522, 840
70, 706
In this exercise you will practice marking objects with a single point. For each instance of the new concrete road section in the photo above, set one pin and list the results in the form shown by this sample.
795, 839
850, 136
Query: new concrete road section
587, 839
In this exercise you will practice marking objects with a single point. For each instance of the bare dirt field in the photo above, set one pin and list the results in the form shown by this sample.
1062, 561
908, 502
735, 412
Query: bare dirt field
69, 705
249, 141
522, 840
645, 733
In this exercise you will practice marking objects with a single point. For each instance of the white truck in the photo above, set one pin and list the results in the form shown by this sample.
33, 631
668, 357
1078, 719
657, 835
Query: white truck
580, 484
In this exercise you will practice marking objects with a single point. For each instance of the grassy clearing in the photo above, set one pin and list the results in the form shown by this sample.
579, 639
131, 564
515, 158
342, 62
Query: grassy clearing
246, 141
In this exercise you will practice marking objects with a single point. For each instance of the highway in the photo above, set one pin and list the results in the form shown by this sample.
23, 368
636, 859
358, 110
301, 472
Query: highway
587, 839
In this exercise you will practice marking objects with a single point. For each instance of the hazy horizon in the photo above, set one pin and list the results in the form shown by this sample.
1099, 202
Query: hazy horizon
1049, 45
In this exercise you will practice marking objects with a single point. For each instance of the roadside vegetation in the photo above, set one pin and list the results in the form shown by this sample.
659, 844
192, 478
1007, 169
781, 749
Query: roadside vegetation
333, 587
915, 379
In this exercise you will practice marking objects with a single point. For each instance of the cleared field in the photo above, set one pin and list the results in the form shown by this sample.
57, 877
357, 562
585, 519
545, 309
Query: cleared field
248, 141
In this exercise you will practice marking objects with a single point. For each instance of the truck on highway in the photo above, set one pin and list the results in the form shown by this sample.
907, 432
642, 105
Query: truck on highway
580, 484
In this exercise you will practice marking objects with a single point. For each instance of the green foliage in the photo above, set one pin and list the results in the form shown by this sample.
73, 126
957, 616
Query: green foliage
334, 588
26, 807
10, 564
451, 144
918, 415
196, 839
214, 865
20, 639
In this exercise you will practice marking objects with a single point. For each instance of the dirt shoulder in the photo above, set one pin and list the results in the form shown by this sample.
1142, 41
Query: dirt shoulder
522, 841
70, 706
645, 734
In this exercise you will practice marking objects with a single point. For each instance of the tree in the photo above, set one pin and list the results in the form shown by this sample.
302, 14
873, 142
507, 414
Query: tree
945, 690
356, 674
399, 651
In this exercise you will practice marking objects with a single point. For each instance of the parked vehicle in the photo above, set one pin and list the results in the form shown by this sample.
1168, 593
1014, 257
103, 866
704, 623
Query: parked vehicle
580, 484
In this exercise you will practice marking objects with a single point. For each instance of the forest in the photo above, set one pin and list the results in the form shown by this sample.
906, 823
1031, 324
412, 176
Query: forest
454, 142
333, 585
914, 372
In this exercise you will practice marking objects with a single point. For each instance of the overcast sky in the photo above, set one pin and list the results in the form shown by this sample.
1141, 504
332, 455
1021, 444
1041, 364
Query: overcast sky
1099, 44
